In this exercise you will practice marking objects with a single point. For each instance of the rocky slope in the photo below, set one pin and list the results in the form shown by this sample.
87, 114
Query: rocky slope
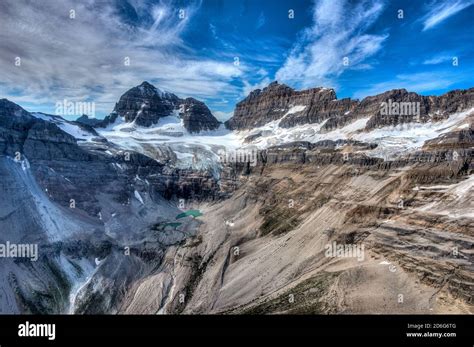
412, 214
264, 249
83, 200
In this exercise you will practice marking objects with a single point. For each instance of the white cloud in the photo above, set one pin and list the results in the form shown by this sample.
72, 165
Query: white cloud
339, 30
416, 82
83, 58
443, 11
437, 60
248, 87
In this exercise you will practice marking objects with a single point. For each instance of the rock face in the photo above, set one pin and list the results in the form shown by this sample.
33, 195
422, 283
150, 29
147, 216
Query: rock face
317, 105
84, 119
197, 117
276, 100
22, 134
430, 107
145, 105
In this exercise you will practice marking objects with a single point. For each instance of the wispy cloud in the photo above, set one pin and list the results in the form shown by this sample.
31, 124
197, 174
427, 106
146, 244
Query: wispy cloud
416, 82
443, 11
438, 59
339, 30
248, 87
85, 57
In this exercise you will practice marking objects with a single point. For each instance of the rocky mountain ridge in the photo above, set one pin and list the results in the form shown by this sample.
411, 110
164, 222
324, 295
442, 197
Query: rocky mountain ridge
278, 102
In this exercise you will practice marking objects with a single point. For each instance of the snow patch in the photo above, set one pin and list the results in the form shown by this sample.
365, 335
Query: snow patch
71, 128
138, 197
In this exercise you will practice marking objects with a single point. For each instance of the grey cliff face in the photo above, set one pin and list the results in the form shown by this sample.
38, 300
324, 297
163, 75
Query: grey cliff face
274, 101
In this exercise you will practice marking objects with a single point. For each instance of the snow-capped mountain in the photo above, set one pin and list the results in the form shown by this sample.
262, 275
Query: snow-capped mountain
145, 105
269, 117
273, 116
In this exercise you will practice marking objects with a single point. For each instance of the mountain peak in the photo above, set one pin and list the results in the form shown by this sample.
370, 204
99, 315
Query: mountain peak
275, 85
276, 101
145, 105
9, 107
146, 86
146, 89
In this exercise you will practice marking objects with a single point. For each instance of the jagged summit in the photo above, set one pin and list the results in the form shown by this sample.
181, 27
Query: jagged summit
146, 84
147, 89
277, 101
276, 88
196, 116
145, 105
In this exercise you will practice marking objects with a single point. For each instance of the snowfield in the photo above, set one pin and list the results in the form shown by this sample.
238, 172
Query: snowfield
391, 141
66, 126
170, 141
198, 151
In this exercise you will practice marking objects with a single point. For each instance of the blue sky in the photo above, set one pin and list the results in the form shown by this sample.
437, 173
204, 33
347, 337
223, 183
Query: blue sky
220, 50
